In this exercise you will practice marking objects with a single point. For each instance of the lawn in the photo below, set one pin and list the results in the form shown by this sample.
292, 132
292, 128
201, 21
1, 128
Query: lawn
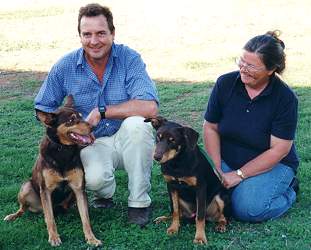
186, 49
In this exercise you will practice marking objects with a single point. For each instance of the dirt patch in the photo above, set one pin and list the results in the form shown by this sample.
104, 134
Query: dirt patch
14, 84
15, 78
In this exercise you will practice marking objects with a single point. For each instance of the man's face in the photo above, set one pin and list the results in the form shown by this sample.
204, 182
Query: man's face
95, 37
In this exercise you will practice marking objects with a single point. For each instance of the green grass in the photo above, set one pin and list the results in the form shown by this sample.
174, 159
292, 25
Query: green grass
20, 136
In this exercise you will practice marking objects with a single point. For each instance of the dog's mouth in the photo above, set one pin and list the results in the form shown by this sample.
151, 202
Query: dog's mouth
82, 140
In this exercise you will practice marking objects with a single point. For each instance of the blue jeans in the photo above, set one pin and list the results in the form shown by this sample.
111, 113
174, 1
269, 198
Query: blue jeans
263, 197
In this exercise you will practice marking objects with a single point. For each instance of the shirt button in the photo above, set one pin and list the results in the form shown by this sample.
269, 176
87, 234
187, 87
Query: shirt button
107, 124
247, 111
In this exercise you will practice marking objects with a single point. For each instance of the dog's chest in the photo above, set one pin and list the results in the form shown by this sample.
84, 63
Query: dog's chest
55, 180
63, 160
190, 181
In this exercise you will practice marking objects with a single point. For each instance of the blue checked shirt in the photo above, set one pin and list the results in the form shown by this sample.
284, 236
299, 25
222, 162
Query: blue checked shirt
125, 79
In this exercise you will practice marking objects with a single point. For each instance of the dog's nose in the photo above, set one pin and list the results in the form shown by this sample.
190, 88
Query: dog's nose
157, 157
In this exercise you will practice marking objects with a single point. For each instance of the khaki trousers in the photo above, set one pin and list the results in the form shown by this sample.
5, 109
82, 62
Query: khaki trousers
131, 149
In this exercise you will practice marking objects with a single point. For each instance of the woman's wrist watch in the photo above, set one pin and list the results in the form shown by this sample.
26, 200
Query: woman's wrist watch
102, 111
240, 173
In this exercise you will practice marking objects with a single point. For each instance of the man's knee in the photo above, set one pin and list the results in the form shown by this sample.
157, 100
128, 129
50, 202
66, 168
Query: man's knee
135, 128
95, 181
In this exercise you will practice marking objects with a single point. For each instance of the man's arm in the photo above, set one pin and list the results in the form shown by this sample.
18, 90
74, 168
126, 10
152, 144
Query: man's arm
126, 109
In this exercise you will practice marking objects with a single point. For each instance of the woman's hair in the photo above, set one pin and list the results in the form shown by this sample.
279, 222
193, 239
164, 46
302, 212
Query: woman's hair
95, 9
270, 49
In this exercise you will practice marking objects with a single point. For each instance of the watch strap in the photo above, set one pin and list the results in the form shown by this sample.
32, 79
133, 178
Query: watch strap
102, 111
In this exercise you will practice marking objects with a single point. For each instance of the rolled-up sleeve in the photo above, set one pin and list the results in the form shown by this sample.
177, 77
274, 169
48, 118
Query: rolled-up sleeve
51, 93
138, 83
213, 110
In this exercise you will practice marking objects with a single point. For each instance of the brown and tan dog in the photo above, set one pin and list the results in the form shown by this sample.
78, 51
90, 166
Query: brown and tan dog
58, 177
194, 186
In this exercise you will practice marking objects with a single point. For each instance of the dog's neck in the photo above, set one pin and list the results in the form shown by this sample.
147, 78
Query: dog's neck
55, 142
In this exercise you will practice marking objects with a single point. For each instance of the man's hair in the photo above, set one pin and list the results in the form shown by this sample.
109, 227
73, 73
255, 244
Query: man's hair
95, 9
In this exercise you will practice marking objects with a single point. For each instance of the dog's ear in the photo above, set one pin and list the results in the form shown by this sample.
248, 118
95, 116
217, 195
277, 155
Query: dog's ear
156, 122
69, 102
191, 137
47, 119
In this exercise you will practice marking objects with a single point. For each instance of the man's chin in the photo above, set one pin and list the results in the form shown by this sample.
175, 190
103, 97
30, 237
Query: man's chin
96, 56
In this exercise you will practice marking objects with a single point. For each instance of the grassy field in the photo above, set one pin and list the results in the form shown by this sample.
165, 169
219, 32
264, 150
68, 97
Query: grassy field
186, 45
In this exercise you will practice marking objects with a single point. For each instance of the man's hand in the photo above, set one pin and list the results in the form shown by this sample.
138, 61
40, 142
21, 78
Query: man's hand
94, 117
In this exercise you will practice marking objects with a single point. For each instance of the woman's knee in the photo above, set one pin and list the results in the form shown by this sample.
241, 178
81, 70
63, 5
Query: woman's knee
246, 207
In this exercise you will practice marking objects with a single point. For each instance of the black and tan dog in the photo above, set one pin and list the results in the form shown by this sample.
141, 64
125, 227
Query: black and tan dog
194, 187
58, 177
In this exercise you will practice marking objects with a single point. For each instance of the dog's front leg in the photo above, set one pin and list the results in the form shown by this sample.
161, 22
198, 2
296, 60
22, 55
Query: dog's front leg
46, 201
200, 237
76, 179
174, 227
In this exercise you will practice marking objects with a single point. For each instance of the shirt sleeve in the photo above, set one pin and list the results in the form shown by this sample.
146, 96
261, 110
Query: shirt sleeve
51, 93
285, 122
138, 83
213, 111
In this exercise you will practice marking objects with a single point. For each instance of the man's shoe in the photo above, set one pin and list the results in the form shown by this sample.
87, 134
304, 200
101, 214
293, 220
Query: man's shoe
103, 203
139, 215
295, 184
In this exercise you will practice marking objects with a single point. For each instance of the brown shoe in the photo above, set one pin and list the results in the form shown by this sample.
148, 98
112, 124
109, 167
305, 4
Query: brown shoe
139, 215
103, 203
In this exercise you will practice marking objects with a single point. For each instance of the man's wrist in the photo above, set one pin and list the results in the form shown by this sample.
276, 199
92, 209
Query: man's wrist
102, 111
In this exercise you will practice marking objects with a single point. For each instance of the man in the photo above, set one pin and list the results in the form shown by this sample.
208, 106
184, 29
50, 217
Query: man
113, 91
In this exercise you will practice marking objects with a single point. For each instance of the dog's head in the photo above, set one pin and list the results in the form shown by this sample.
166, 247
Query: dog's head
66, 125
171, 139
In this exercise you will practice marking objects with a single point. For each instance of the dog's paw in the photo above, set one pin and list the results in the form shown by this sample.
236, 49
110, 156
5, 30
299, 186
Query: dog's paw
172, 230
55, 240
10, 217
221, 228
94, 242
161, 219
200, 240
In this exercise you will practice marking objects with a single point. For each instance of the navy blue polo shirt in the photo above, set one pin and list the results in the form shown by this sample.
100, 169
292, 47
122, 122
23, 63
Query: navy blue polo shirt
245, 125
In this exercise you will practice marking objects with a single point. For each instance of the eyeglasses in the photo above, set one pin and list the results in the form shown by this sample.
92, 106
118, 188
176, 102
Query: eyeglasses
249, 67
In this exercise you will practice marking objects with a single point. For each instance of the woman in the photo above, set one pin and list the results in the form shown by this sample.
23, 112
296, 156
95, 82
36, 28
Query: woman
249, 128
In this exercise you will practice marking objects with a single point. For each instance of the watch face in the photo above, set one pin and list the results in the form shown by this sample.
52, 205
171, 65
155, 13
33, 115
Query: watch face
239, 173
102, 109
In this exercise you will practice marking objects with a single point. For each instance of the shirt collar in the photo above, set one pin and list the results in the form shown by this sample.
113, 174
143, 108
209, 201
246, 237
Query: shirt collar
267, 91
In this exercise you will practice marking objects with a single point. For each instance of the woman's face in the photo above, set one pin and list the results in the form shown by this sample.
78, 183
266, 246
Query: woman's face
253, 72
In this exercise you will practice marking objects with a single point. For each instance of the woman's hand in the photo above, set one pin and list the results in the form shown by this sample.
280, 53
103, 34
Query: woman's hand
230, 179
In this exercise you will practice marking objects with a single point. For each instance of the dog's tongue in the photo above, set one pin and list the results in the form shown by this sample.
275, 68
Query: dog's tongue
84, 139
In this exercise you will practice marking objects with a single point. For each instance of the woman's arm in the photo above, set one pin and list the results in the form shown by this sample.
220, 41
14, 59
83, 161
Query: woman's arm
262, 163
212, 143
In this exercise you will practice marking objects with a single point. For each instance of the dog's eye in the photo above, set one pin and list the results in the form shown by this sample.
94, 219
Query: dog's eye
172, 140
158, 138
72, 120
